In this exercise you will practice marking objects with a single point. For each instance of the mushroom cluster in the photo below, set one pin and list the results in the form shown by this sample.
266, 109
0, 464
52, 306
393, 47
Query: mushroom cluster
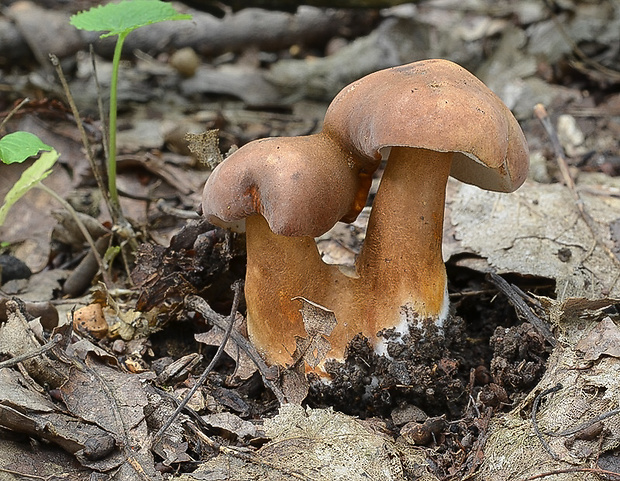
428, 120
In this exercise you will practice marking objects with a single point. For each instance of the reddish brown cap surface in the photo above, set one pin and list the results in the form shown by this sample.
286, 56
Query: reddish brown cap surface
435, 105
304, 185
301, 185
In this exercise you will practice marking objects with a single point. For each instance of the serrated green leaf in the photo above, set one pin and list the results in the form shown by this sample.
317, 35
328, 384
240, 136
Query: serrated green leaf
38, 171
121, 18
18, 146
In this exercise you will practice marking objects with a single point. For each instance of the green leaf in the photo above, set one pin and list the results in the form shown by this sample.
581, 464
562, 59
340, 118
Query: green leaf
34, 174
121, 18
18, 146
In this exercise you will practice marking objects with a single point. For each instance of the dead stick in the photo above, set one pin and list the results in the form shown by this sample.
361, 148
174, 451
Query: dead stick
231, 322
521, 307
13, 111
199, 304
34, 353
114, 212
541, 113
537, 400
585, 425
574, 470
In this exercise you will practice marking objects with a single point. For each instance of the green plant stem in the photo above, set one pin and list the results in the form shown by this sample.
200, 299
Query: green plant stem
112, 123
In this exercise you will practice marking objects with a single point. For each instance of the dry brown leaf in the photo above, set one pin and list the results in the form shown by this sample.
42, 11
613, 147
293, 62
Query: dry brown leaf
538, 231
321, 445
231, 423
245, 367
294, 384
589, 390
603, 340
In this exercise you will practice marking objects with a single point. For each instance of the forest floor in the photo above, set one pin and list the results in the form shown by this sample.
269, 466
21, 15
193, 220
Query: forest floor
522, 385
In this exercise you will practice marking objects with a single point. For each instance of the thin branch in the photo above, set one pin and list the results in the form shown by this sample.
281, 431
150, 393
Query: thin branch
115, 213
555, 472
104, 273
585, 425
523, 310
33, 353
166, 208
541, 113
13, 111
537, 400
237, 286
199, 304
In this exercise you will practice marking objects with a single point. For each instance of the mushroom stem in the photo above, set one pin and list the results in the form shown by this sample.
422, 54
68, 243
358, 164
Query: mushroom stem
401, 259
280, 268
401, 275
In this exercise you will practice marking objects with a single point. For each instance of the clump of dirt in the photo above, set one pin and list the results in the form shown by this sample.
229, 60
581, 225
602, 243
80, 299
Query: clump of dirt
440, 372
425, 369
519, 359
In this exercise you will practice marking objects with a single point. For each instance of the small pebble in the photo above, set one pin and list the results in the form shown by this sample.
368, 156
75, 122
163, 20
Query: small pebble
185, 61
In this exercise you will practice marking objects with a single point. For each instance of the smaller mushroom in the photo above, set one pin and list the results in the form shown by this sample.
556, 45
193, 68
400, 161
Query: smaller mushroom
428, 120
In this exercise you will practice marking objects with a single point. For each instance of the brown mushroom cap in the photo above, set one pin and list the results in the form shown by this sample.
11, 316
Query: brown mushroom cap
435, 105
301, 185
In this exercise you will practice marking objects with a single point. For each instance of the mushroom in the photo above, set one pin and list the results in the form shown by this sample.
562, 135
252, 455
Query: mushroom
428, 120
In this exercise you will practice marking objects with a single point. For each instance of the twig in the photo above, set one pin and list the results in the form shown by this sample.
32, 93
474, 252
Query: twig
180, 213
13, 111
198, 304
573, 470
521, 307
231, 322
585, 425
535, 405
25, 475
34, 353
115, 212
543, 117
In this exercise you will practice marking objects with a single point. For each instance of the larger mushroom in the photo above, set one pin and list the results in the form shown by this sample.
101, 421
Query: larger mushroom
429, 119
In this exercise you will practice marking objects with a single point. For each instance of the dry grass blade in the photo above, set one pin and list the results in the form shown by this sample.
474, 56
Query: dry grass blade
237, 287
541, 114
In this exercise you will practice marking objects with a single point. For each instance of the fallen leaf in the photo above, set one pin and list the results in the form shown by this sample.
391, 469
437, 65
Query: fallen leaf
538, 231
319, 444
603, 340
231, 423
245, 367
